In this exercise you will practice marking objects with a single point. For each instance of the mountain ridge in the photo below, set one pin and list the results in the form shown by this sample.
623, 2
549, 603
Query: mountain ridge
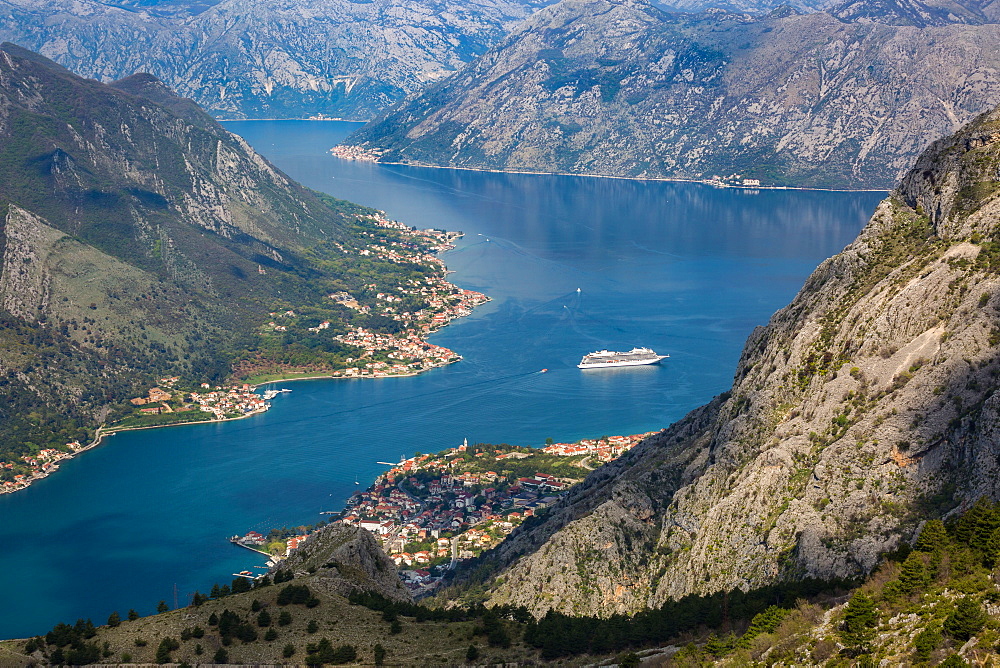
863, 408
798, 99
139, 240
268, 60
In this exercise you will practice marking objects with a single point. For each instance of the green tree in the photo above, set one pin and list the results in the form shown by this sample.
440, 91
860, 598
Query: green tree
221, 656
926, 642
913, 575
162, 606
954, 661
472, 653
133, 615
285, 618
933, 537
395, 627
379, 655
991, 550
860, 620
288, 651
966, 620
313, 626
271, 635
264, 619
114, 619
166, 646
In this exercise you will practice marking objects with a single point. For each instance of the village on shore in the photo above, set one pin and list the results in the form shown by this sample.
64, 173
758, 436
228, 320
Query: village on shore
379, 354
429, 512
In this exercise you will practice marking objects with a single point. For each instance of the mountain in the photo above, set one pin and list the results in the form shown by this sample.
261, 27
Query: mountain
262, 59
139, 239
749, 6
865, 407
618, 87
919, 14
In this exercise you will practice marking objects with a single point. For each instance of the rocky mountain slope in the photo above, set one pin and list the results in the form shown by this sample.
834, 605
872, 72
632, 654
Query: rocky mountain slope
262, 59
865, 406
919, 14
750, 6
621, 88
138, 238
345, 560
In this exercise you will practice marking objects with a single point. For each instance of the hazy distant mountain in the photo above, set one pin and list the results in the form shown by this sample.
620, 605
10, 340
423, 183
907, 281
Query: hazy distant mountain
750, 6
619, 87
919, 14
266, 58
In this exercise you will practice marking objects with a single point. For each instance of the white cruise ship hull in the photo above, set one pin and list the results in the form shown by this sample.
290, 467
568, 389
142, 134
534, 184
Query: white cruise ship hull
609, 364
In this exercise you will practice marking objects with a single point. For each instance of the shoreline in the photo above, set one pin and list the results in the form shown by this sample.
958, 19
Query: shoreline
661, 179
105, 430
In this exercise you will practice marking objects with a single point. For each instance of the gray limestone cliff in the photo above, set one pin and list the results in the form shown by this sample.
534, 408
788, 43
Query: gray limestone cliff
621, 88
865, 406
266, 59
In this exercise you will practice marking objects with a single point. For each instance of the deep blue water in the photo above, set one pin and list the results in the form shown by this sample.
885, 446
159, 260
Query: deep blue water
683, 268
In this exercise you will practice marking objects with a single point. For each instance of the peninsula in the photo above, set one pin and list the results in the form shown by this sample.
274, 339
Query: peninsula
218, 274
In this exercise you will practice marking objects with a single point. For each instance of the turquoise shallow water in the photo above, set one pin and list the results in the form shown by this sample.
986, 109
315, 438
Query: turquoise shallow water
683, 268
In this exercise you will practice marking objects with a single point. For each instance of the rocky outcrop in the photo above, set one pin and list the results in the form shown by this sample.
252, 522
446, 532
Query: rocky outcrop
265, 59
865, 406
618, 87
342, 559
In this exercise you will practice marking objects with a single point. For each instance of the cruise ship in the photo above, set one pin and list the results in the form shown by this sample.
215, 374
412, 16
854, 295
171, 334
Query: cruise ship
608, 358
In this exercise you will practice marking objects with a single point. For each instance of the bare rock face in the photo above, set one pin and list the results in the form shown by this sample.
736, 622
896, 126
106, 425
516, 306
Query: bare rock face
618, 87
267, 59
343, 559
865, 406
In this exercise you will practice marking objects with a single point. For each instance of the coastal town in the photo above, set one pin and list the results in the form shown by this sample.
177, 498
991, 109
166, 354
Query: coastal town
431, 511
218, 403
417, 307
35, 467
356, 153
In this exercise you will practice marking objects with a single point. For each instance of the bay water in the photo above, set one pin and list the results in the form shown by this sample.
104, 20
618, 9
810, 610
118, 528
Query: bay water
573, 265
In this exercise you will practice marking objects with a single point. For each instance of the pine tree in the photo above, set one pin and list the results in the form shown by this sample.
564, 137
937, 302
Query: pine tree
133, 615
379, 655
933, 537
991, 550
221, 656
472, 653
913, 576
162, 606
966, 620
860, 619
114, 619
